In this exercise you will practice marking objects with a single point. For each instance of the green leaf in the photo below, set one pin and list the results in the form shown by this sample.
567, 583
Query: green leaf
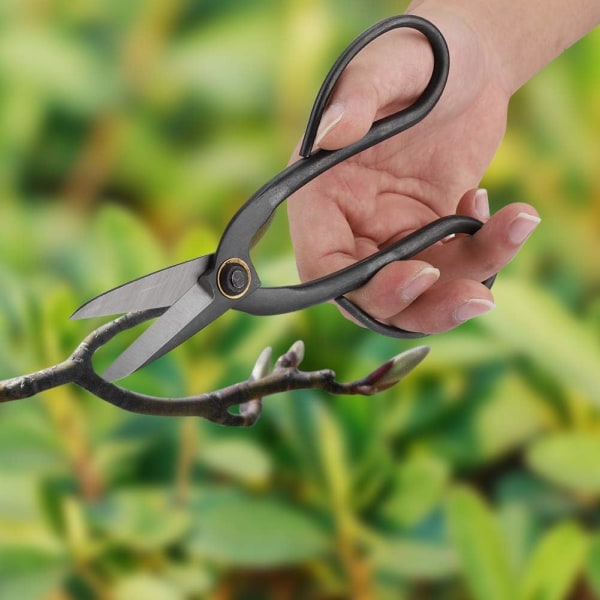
536, 324
460, 349
569, 459
194, 580
58, 336
117, 459
520, 529
27, 572
22, 523
418, 487
221, 58
482, 552
333, 456
143, 518
120, 247
319, 446
555, 564
539, 496
593, 565
56, 66
149, 587
486, 428
239, 459
27, 444
415, 560
16, 327
494, 424
255, 532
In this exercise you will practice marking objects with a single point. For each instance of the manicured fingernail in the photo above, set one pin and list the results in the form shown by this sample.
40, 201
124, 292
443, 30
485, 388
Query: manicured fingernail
482, 204
331, 117
472, 308
422, 281
521, 227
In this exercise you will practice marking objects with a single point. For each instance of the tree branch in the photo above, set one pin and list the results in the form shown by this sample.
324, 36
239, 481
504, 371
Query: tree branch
214, 406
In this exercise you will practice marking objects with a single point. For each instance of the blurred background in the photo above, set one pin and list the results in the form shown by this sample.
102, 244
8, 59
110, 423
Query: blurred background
130, 132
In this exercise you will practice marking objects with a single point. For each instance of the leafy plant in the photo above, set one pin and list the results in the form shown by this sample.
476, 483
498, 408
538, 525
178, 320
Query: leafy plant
129, 133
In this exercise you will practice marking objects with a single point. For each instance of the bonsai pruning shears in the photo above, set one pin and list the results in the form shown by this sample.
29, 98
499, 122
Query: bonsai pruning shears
196, 292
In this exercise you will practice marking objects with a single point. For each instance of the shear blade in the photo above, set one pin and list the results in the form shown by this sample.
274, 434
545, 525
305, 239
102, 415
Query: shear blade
156, 290
192, 312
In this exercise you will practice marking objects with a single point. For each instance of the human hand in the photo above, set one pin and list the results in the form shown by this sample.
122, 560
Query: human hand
379, 196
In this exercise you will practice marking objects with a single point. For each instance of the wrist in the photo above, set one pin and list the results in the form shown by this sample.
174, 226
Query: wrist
517, 39
475, 65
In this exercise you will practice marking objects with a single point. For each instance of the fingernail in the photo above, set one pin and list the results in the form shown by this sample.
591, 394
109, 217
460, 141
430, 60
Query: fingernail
331, 117
421, 282
472, 308
482, 204
521, 227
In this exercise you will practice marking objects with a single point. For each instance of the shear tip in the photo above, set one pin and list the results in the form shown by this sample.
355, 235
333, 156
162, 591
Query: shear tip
78, 314
88, 310
115, 372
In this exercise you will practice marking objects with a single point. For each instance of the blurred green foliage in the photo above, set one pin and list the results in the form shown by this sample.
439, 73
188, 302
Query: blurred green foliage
129, 133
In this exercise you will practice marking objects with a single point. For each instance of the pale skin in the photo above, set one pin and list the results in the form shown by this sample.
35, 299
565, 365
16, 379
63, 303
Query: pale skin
435, 168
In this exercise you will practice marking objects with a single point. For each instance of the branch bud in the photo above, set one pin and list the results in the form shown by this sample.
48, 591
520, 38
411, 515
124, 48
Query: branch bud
262, 366
393, 370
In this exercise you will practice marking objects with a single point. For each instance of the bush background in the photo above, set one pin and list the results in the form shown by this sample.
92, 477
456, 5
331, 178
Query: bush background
129, 134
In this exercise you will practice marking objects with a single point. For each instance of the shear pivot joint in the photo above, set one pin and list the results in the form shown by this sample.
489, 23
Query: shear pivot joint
233, 278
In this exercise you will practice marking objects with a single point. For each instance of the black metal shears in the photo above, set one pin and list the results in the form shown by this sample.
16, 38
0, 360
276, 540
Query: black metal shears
196, 292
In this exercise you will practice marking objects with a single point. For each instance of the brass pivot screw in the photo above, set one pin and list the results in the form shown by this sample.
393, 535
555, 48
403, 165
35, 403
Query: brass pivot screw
233, 278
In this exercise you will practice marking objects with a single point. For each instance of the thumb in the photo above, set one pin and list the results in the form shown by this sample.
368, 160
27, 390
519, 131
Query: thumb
385, 77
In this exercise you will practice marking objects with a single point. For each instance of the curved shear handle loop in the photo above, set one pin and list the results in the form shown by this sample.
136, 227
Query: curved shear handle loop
256, 212
403, 119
